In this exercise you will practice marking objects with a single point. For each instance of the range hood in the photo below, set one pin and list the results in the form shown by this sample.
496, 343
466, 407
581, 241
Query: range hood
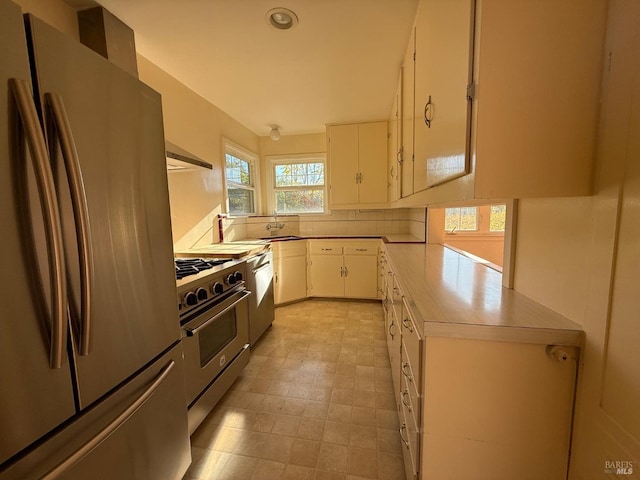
179, 160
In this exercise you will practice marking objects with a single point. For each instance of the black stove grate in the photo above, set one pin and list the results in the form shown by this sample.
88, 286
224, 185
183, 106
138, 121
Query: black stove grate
192, 266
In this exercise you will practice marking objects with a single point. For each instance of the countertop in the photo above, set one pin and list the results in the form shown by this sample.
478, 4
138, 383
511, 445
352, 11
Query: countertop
252, 246
218, 250
450, 295
388, 238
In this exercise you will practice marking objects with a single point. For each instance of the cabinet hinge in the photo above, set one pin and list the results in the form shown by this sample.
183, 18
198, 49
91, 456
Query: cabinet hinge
471, 92
414, 56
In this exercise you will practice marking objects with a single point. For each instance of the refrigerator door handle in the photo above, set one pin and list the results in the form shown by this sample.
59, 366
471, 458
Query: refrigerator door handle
80, 212
52, 223
116, 423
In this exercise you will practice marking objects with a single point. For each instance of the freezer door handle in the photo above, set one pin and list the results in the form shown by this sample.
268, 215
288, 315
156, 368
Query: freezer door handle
106, 432
80, 211
51, 212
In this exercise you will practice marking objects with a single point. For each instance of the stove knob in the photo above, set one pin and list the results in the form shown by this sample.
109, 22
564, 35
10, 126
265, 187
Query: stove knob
238, 276
217, 288
201, 293
190, 299
231, 279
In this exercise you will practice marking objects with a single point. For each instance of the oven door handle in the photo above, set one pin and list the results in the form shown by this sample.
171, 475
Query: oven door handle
194, 331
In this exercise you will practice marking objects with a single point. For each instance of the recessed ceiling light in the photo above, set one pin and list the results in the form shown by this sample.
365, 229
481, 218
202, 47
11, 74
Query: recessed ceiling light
282, 18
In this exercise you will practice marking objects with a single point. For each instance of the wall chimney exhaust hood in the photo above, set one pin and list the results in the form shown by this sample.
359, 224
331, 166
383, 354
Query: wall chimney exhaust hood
179, 160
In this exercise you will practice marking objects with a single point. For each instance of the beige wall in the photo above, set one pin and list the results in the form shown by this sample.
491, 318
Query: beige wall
577, 255
55, 12
196, 125
554, 236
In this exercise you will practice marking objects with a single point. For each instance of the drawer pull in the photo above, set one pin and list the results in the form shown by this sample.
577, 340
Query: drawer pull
403, 395
404, 440
407, 324
362, 249
392, 324
406, 366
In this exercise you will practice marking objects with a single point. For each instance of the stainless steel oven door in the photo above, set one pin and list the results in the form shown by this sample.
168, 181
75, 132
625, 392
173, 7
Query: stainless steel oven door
212, 339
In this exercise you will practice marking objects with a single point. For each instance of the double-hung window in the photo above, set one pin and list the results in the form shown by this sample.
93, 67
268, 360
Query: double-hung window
240, 174
298, 184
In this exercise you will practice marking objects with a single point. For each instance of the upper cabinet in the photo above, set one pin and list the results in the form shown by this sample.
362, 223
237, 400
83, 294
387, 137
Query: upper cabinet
443, 47
357, 164
504, 102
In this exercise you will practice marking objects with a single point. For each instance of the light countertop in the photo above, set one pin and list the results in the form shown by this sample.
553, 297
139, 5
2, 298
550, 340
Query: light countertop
453, 296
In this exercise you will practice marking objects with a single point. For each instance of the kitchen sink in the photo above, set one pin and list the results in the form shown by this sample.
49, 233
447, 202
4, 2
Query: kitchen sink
281, 238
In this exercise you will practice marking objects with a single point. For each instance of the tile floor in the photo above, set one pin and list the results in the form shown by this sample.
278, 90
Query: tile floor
315, 402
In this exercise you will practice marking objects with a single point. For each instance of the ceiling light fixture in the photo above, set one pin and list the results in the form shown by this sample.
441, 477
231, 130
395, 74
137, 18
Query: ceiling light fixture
275, 133
282, 18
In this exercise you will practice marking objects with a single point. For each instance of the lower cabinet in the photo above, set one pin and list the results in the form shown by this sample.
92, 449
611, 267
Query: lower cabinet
326, 274
343, 269
290, 271
497, 410
477, 409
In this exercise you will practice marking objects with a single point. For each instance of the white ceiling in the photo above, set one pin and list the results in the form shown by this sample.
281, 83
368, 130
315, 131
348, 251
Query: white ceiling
339, 64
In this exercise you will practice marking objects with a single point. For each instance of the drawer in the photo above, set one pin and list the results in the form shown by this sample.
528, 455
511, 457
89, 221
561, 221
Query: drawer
397, 291
325, 248
412, 341
360, 250
410, 439
291, 248
408, 397
410, 371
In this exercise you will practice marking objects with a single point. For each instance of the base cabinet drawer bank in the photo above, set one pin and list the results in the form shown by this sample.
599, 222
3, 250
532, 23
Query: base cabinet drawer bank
471, 406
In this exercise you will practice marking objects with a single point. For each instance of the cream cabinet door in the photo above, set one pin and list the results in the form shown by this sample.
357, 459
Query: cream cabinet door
290, 279
441, 77
372, 162
361, 276
343, 164
395, 144
408, 97
325, 276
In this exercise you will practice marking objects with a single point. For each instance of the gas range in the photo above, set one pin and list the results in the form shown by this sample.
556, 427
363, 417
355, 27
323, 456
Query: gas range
204, 281
213, 304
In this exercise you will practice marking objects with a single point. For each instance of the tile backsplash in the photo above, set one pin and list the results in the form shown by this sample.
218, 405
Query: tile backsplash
341, 222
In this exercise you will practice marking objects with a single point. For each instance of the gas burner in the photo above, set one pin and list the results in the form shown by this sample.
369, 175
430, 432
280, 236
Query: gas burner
192, 266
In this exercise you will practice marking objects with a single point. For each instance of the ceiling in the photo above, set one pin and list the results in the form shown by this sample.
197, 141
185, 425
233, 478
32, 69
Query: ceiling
339, 64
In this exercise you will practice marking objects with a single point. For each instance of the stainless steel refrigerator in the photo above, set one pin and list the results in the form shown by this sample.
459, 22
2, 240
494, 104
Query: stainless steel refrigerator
91, 380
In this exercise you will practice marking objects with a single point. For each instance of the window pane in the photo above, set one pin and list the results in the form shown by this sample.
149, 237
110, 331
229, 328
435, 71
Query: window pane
498, 218
299, 174
300, 201
461, 219
237, 170
468, 218
451, 219
240, 201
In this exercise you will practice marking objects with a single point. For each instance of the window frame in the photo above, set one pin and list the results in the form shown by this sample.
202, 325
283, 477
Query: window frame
274, 160
231, 148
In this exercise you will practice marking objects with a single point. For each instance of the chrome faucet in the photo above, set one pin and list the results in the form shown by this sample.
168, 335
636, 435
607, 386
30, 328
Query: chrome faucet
275, 226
